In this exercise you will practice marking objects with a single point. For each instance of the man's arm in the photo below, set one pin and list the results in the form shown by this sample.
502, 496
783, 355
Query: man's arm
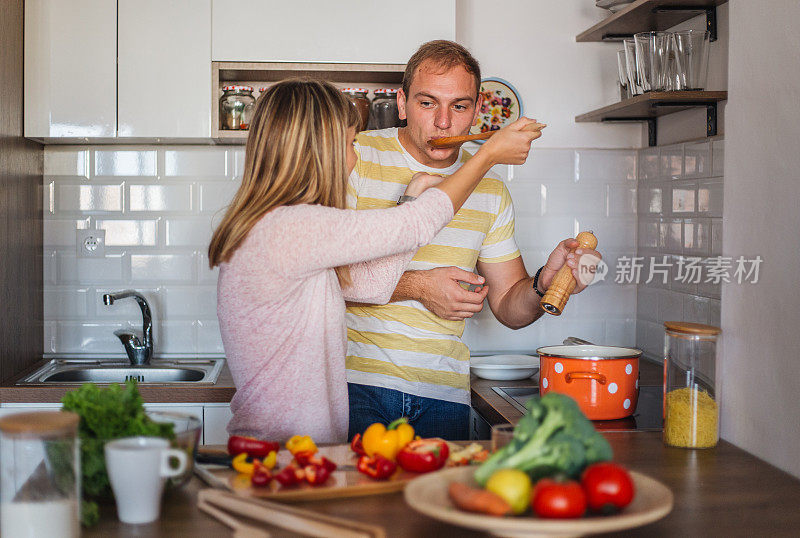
439, 290
512, 298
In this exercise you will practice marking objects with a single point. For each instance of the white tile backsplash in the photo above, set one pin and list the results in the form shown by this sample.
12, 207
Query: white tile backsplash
117, 162
159, 206
680, 203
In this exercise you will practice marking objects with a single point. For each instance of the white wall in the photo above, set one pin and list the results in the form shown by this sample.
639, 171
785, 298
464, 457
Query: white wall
759, 370
531, 43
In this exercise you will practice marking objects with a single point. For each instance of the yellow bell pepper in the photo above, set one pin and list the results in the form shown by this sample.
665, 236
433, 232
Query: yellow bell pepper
240, 463
387, 440
301, 443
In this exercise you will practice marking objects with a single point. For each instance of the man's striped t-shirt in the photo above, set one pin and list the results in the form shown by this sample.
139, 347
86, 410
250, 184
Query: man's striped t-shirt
402, 345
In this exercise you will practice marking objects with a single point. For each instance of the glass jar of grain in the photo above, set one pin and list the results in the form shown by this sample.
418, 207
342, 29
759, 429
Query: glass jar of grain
691, 412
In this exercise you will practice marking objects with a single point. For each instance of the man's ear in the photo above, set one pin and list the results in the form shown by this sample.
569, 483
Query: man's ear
401, 104
478, 105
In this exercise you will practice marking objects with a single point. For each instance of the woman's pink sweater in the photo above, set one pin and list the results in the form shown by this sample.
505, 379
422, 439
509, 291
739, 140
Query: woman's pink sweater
281, 309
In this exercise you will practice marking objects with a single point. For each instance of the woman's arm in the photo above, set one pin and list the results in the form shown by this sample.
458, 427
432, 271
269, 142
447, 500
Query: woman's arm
374, 281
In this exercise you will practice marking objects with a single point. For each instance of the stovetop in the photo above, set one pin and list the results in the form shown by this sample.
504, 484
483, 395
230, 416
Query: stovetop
647, 416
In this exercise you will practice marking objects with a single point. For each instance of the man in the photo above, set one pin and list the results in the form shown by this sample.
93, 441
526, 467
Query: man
406, 358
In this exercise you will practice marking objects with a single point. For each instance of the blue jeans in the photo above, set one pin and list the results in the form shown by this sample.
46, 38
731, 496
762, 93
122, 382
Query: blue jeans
430, 417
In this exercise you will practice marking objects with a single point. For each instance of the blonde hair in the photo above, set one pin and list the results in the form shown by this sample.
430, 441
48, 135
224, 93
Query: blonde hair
296, 153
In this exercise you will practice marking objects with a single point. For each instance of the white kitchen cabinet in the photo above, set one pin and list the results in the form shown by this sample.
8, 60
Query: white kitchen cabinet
164, 68
216, 418
358, 31
70, 68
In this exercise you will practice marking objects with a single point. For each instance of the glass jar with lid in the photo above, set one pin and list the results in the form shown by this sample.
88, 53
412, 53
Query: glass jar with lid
384, 109
691, 412
358, 96
236, 107
40, 471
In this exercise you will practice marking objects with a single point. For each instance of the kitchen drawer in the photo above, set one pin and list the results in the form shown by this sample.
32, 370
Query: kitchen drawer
479, 427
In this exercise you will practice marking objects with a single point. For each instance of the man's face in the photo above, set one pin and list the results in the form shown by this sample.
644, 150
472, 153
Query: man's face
439, 103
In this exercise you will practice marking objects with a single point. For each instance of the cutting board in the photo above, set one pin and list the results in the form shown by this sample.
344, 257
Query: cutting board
346, 481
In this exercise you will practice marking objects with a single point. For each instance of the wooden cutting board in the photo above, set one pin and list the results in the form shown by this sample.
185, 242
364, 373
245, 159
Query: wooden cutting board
346, 481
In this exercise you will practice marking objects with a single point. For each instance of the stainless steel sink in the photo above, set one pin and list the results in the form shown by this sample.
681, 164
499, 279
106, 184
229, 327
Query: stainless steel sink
159, 371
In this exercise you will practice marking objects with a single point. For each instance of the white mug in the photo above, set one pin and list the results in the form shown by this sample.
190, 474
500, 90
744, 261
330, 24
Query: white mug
137, 469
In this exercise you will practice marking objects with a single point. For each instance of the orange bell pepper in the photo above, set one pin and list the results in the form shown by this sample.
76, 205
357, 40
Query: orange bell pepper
387, 440
301, 443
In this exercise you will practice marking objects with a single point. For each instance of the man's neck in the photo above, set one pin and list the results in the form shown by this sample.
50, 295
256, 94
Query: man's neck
421, 156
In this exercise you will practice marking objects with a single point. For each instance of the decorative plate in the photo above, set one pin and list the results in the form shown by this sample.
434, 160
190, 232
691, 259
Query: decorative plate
501, 105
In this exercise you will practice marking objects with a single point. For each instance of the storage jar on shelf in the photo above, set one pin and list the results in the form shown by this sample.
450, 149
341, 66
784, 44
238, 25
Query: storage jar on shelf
236, 107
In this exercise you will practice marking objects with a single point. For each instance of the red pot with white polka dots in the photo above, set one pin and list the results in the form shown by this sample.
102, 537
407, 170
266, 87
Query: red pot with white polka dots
604, 380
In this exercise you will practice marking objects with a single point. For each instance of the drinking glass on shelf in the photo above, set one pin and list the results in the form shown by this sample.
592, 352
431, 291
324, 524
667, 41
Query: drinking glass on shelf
652, 52
630, 67
691, 58
624, 85
501, 436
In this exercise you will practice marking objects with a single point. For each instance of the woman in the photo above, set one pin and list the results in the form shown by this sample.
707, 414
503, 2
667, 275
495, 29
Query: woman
290, 254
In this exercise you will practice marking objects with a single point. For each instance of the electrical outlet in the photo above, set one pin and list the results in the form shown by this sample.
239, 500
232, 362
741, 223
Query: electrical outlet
91, 243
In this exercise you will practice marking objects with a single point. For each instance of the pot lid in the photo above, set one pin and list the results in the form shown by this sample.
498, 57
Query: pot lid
590, 352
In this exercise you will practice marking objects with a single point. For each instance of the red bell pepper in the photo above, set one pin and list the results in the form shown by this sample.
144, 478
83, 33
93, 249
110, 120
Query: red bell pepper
261, 476
423, 455
316, 474
305, 459
376, 467
256, 448
357, 446
290, 475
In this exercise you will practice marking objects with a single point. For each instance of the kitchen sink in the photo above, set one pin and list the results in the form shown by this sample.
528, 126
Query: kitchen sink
159, 371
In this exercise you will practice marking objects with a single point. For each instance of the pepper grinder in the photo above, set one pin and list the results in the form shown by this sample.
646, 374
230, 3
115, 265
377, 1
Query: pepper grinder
557, 295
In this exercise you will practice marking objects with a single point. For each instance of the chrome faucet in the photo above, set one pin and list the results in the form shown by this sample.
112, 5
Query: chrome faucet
139, 351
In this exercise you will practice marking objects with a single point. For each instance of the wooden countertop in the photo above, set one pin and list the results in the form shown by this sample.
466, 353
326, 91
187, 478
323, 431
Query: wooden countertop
722, 491
496, 410
222, 391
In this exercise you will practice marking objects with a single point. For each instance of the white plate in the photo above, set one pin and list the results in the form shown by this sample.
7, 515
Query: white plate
428, 495
504, 367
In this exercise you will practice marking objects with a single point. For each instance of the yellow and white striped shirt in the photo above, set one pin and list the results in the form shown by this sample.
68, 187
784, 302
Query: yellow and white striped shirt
402, 345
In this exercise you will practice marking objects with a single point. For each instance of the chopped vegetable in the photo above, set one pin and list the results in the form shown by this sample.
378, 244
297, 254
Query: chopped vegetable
357, 446
300, 443
240, 463
290, 476
474, 453
558, 499
376, 467
478, 500
387, 440
423, 455
252, 446
107, 413
305, 459
553, 436
316, 474
261, 476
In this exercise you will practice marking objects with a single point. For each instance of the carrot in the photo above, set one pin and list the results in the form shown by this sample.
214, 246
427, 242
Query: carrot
478, 500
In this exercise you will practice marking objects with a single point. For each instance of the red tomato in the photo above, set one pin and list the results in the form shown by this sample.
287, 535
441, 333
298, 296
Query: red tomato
560, 500
608, 487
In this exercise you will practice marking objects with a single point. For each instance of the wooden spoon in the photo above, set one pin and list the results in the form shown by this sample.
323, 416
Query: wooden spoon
240, 530
455, 141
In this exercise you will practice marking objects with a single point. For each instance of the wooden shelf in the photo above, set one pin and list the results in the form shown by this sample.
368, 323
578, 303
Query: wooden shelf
647, 15
258, 74
649, 106
652, 105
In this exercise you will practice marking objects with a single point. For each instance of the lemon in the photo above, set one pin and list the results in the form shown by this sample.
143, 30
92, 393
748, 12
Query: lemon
514, 486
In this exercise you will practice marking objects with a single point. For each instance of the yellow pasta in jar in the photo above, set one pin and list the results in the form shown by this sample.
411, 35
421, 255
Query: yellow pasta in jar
690, 419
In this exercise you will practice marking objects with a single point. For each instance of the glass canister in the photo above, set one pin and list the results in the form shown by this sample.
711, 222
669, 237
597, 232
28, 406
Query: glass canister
358, 96
39, 474
691, 412
384, 109
236, 107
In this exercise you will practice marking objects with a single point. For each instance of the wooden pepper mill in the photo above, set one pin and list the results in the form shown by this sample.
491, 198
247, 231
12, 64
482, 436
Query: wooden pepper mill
557, 295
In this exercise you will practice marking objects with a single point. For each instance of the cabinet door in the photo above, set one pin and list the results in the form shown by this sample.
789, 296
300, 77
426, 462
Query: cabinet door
357, 31
165, 68
70, 68
216, 418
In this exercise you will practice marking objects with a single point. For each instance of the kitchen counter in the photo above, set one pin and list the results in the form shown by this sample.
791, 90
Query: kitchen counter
222, 391
722, 491
496, 410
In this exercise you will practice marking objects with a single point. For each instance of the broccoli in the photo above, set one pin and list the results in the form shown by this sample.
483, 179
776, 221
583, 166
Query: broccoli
553, 437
